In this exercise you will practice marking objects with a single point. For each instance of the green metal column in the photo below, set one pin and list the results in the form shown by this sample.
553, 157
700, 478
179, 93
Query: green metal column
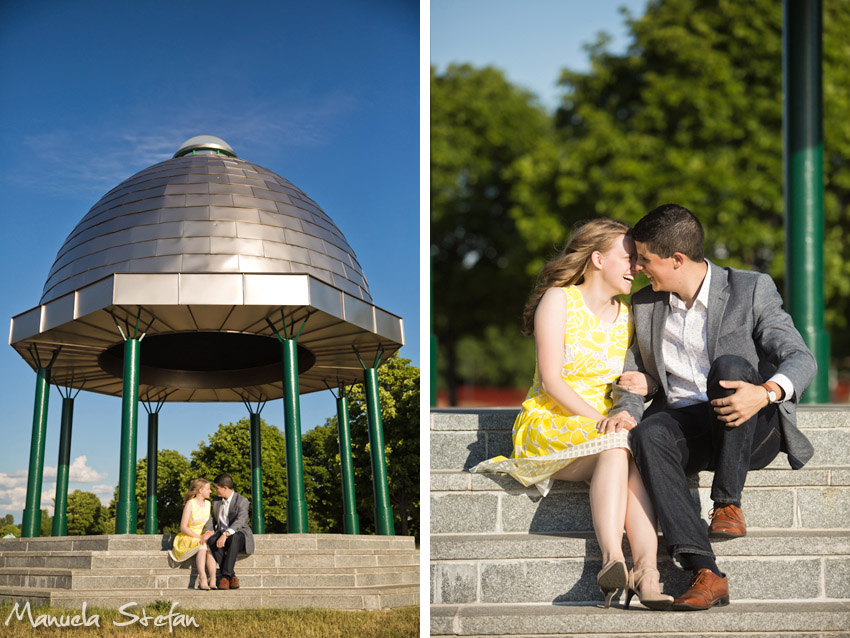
31, 524
258, 521
433, 375
380, 487
296, 502
151, 518
125, 515
60, 502
803, 118
351, 523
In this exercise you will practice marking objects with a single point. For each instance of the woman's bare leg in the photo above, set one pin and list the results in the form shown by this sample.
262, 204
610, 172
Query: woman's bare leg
211, 567
640, 529
200, 560
608, 476
608, 499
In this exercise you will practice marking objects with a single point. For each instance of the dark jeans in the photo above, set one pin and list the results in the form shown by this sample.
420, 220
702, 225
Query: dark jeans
671, 444
226, 556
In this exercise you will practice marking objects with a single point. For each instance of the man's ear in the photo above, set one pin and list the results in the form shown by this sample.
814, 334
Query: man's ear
678, 260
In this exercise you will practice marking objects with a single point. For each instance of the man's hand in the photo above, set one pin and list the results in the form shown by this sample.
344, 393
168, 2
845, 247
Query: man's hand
221, 540
620, 421
635, 382
747, 400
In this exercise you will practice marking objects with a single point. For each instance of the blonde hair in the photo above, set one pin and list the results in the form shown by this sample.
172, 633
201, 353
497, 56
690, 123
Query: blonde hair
571, 264
194, 487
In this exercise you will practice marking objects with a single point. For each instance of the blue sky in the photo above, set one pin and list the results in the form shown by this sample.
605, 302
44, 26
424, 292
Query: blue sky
531, 40
324, 93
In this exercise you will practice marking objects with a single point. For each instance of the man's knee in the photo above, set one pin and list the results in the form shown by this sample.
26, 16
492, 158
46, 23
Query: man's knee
731, 367
650, 435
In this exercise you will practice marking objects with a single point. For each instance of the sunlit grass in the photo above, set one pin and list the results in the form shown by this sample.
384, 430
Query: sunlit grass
303, 623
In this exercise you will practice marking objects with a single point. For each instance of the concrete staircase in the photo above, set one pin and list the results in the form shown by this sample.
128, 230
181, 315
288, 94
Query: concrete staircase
287, 570
506, 562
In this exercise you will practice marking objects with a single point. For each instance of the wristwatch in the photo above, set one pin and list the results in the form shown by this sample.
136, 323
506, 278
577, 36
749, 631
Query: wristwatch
771, 394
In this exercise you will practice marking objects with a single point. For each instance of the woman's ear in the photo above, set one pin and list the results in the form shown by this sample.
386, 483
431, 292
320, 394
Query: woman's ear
596, 259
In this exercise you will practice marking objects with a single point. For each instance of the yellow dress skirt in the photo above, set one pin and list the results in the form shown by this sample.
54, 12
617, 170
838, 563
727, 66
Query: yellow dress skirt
187, 546
546, 438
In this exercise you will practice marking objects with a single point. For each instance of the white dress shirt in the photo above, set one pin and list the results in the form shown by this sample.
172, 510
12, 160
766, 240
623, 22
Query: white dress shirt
224, 515
685, 352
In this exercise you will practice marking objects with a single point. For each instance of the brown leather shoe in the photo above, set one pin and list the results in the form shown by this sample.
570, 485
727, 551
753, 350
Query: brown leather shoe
224, 583
234, 583
707, 589
727, 521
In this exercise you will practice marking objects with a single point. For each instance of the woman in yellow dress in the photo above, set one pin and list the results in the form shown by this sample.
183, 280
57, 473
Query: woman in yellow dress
192, 539
581, 332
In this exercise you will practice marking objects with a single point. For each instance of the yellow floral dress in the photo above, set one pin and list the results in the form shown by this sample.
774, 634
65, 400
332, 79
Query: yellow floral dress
546, 438
187, 546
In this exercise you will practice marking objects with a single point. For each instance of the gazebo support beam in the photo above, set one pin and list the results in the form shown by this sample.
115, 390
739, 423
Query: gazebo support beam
125, 515
60, 502
350, 521
380, 487
258, 521
151, 518
296, 501
31, 524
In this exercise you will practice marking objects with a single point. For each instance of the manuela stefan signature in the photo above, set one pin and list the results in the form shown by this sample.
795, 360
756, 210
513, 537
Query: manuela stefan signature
170, 620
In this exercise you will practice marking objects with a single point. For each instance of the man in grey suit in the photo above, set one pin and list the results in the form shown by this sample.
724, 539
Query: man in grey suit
229, 522
724, 369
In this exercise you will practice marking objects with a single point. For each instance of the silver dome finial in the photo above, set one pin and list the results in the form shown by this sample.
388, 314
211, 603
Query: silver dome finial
207, 143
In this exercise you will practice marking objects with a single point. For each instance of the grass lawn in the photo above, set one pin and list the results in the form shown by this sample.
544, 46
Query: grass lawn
256, 623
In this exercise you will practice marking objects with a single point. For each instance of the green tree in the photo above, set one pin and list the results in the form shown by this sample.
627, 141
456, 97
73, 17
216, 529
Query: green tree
692, 114
86, 514
323, 478
229, 450
10, 528
399, 395
173, 475
398, 383
481, 125
46, 523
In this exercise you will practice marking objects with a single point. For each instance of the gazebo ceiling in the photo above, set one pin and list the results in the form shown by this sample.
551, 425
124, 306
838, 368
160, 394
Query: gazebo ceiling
203, 252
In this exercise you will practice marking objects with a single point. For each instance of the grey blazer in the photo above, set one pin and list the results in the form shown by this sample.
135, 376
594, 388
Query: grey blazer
238, 519
745, 317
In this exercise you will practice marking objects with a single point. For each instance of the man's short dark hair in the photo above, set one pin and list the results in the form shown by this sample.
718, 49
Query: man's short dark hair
224, 480
669, 229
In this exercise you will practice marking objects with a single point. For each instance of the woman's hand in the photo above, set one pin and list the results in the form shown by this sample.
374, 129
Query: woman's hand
636, 383
206, 536
620, 421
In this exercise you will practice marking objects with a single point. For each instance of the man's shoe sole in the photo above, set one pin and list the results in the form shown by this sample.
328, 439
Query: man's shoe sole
726, 534
720, 602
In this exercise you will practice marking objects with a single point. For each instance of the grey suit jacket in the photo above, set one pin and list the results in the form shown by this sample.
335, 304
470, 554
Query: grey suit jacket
238, 519
745, 317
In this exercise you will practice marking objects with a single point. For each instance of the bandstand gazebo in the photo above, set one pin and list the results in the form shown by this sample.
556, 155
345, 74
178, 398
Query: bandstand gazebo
205, 278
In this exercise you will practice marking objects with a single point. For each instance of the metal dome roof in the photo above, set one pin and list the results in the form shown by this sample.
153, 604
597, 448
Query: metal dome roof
212, 257
205, 212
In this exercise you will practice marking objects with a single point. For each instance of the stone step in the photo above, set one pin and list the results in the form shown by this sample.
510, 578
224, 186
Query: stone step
491, 503
377, 597
107, 579
159, 559
281, 543
738, 620
462, 438
530, 568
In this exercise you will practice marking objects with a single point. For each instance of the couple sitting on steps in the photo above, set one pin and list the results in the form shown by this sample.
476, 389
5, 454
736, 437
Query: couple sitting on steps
703, 372
214, 533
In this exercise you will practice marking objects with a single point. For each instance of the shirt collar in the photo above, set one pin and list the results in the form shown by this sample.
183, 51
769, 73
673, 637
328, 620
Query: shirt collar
702, 297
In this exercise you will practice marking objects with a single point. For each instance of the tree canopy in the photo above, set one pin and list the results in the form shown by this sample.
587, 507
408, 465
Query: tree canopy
691, 113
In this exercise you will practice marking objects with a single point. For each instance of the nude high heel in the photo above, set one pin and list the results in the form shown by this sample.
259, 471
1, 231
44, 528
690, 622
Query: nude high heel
656, 602
611, 578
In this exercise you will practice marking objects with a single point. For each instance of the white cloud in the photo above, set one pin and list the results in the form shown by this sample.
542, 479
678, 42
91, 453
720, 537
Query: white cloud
91, 160
79, 472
